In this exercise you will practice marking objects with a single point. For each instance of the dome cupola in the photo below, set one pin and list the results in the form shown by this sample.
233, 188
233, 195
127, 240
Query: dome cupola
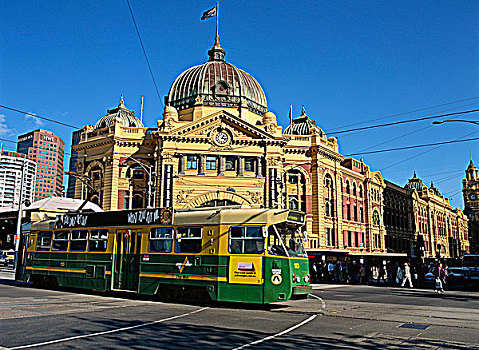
414, 183
217, 83
121, 113
302, 126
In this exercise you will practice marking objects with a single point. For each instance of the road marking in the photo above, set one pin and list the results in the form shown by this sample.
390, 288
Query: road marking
277, 334
323, 304
106, 332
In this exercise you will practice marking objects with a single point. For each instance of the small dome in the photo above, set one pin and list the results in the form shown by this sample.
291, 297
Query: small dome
218, 83
170, 111
120, 113
269, 117
414, 183
302, 126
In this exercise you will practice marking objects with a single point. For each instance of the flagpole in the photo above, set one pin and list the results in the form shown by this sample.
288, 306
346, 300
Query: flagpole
217, 15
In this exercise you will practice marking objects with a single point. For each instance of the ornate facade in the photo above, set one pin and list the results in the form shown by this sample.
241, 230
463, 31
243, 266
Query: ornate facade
470, 191
439, 229
217, 144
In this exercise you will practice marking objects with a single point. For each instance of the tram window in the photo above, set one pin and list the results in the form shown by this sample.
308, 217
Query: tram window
98, 240
246, 240
161, 239
78, 240
60, 240
188, 240
44, 239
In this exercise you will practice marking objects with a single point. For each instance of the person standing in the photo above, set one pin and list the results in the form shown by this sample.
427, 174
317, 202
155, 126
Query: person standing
407, 275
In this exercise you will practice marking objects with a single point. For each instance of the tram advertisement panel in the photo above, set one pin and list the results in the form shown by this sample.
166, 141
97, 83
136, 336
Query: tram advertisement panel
246, 270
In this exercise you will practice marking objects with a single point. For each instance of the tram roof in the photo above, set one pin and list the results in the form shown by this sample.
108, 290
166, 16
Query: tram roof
234, 215
239, 216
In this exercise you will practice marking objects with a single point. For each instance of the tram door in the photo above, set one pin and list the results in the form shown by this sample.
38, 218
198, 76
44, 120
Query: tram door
127, 262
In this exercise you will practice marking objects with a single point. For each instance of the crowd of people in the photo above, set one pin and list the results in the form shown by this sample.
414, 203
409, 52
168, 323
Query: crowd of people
385, 273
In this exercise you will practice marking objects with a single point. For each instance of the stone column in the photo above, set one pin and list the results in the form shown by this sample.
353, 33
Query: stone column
181, 166
221, 166
259, 167
240, 166
201, 164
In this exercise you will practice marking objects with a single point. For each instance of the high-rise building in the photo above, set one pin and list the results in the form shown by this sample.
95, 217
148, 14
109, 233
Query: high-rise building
76, 136
47, 150
11, 164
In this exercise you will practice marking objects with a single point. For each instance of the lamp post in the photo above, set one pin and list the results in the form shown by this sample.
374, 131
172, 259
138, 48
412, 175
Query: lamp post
150, 177
456, 120
82, 179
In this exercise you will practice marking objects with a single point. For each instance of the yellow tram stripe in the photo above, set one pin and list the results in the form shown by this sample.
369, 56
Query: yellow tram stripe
188, 277
55, 269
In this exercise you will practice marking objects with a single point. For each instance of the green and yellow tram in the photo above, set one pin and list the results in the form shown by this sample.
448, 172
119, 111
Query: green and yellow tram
233, 254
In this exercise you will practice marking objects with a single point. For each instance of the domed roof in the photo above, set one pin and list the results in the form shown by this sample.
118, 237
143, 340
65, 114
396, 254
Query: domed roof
415, 183
218, 83
123, 114
302, 126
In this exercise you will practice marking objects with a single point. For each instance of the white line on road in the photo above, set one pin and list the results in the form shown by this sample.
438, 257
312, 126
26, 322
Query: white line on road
323, 304
277, 334
106, 332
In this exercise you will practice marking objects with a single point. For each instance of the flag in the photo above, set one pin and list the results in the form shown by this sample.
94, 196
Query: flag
209, 13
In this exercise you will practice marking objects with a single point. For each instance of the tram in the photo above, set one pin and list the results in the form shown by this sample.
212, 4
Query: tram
227, 254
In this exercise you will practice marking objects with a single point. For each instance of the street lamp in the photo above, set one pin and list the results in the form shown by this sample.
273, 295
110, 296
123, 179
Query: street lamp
456, 120
150, 177
82, 179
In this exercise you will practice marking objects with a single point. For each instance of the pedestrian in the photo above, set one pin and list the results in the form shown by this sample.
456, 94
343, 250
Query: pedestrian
407, 275
331, 272
315, 273
399, 275
439, 273
362, 274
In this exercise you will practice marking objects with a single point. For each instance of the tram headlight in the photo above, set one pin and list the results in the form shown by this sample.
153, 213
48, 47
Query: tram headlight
307, 278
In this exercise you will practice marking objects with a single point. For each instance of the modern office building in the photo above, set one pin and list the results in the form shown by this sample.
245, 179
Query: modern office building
47, 150
72, 169
12, 164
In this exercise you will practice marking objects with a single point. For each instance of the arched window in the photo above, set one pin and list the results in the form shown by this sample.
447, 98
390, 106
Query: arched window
360, 191
137, 202
376, 220
326, 208
354, 188
293, 203
347, 187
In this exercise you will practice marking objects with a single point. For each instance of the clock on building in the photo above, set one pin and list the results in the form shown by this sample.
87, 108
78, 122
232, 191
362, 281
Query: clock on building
472, 196
221, 138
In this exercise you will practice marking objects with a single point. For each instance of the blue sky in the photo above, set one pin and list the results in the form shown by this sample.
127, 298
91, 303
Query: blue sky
348, 62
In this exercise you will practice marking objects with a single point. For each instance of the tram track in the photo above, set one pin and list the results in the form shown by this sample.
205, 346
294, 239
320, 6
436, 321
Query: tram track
90, 335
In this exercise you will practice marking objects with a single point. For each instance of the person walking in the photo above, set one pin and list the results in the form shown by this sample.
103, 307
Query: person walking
407, 275
440, 277
399, 275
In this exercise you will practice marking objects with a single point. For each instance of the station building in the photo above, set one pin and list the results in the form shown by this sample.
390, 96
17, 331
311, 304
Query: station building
217, 143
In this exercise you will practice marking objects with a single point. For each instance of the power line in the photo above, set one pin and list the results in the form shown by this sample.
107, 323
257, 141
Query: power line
414, 146
405, 121
144, 52
40, 117
408, 133
398, 114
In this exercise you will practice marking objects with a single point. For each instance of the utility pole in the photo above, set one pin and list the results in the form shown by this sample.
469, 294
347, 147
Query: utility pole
19, 219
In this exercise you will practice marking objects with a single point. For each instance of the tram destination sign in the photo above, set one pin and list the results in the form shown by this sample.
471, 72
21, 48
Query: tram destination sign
158, 216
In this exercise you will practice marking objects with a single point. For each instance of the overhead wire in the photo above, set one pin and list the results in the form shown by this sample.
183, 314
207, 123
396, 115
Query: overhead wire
403, 113
40, 117
144, 53
408, 133
405, 121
